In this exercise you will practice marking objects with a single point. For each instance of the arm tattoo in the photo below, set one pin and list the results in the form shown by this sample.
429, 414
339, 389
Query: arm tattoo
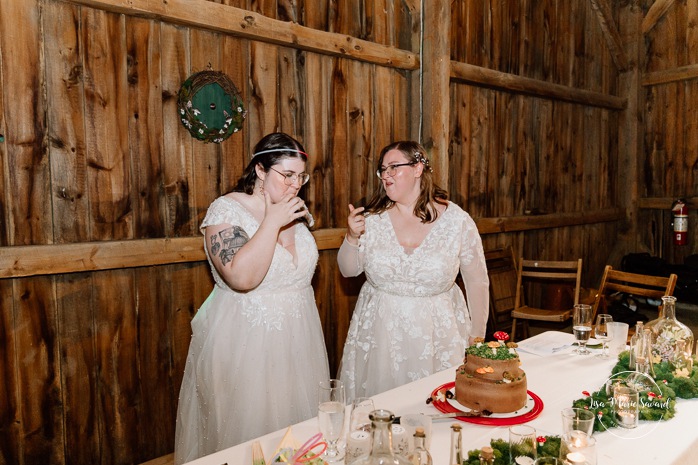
226, 243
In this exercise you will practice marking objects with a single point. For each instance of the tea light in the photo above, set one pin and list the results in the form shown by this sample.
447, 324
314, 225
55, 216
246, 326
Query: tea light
358, 444
579, 439
627, 418
576, 458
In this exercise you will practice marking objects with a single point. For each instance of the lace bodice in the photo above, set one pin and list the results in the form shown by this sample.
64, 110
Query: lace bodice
282, 274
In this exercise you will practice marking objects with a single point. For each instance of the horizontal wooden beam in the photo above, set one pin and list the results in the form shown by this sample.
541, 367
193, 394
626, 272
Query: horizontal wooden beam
32, 260
682, 73
665, 203
547, 221
485, 77
247, 24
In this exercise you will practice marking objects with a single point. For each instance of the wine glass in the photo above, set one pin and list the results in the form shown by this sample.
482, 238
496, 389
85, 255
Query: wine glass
582, 327
602, 333
331, 417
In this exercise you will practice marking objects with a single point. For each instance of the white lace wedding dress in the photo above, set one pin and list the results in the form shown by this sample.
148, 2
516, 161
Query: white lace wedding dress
255, 358
411, 319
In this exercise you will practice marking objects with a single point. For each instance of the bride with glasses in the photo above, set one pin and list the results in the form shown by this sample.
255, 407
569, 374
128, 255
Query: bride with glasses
410, 241
257, 352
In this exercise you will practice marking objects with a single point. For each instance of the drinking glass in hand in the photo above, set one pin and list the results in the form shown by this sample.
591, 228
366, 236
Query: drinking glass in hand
582, 327
331, 417
602, 333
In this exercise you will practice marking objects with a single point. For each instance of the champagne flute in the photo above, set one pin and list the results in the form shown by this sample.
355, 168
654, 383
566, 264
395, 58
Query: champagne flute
331, 417
582, 327
602, 333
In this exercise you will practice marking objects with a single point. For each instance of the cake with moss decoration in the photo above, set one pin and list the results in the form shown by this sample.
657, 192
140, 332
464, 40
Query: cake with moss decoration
491, 378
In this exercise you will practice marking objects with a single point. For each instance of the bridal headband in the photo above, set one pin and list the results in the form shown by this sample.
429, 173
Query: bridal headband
305, 155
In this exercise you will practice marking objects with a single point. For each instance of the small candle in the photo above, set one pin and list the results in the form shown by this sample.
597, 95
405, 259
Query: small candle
576, 458
627, 418
579, 439
358, 444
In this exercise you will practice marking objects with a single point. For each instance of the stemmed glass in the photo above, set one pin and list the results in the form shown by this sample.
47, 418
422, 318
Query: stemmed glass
582, 327
331, 417
602, 333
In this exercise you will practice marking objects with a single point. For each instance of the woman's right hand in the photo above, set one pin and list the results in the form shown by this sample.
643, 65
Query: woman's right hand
356, 224
287, 210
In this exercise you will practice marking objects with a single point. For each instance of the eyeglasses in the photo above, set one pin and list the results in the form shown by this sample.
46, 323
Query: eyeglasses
291, 178
390, 170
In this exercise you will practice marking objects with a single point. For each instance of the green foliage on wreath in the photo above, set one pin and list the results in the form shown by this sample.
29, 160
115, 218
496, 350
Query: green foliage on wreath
653, 406
547, 446
210, 106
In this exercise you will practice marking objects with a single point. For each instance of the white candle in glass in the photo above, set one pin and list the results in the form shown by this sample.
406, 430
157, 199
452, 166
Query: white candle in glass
576, 458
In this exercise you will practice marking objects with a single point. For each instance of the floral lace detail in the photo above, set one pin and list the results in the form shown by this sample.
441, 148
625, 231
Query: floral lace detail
276, 298
411, 320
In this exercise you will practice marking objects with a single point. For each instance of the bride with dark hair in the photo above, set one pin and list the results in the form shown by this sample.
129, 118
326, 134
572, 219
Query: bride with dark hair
257, 352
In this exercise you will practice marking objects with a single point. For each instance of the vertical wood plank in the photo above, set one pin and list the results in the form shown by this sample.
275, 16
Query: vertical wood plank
145, 127
28, 203
10, 419
79, 385
115, 326
40, 403
66, 121
177, 143
106, 97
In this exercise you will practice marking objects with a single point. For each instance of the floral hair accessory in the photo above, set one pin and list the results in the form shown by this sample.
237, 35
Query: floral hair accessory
423, 160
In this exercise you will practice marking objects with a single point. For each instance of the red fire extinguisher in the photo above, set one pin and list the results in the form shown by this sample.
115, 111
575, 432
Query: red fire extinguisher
680, 212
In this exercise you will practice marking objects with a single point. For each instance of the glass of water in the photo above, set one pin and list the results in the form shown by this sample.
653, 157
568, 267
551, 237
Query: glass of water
602, 332
582, 327
331, 417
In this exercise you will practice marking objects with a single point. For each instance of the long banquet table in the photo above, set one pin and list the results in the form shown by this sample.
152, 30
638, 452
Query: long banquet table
557, 378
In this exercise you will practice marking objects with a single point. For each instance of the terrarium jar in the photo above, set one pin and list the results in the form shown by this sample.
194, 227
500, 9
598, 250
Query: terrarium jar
382, 443
667, 330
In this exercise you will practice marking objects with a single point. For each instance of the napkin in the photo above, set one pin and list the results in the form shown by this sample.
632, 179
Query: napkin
547, 343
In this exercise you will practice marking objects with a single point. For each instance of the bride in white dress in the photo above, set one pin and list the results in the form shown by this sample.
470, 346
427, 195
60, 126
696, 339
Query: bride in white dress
257, 352
411, 319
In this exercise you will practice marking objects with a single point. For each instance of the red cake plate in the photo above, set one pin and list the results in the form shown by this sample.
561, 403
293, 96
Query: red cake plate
533, 407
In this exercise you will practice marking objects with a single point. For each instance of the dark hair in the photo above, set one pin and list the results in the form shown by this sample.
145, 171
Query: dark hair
429, 193
273, 144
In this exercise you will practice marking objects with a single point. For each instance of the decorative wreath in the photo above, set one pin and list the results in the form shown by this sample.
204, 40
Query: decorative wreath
210, 106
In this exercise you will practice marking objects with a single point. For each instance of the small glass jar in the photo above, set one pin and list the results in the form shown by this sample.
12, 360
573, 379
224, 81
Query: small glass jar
420, 455
382, 442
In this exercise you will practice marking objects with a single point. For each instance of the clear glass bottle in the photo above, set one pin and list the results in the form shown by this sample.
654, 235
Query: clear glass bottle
666, 330
420, 455
639, 328
456, 445
486, 456
382, 442
642, 378
682, 360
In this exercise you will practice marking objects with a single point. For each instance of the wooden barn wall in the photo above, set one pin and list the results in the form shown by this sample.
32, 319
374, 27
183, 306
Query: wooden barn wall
669, 161
92, 150
517, 154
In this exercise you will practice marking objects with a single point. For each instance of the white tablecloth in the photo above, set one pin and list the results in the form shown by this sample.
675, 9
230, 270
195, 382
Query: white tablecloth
557, 378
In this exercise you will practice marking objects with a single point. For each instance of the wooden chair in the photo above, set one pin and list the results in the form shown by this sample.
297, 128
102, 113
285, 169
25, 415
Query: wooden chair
652, 287
501, 269
548, 272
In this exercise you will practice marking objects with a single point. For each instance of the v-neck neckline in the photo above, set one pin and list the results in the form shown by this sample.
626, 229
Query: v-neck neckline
294, 258
424, 240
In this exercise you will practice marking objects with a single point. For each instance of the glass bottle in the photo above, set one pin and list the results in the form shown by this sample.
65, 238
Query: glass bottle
382, 442
486, 456
642, 378
666, 330
420, 455
639, 328
456, 445
682, 359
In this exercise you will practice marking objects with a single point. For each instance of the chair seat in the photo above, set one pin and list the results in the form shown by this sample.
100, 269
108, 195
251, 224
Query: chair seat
541, 314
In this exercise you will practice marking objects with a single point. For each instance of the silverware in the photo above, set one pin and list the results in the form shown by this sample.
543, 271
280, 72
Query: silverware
441, 416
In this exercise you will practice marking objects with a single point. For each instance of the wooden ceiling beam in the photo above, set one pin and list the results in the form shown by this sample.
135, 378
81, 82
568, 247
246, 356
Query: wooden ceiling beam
242, 23
610, 32
490, 78
655, 13
682, 73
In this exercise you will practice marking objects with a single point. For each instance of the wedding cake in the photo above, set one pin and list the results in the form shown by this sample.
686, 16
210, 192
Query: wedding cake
491, 378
